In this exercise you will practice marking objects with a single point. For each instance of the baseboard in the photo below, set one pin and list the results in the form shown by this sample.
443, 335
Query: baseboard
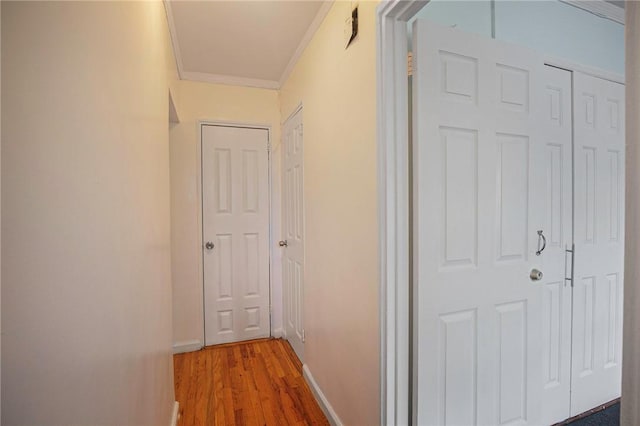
176, 412
277, 333
326, 407
187, 346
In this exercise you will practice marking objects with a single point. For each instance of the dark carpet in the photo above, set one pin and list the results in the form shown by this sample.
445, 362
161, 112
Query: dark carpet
607, 417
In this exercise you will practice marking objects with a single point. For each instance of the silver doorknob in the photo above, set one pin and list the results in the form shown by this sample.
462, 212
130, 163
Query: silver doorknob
283, 243
209, 245
535, 274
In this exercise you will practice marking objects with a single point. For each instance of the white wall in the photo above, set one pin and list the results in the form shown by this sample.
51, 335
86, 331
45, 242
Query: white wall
630, 410
562, 30
86, 279
203, 101
470, 16
337, 88
551, 27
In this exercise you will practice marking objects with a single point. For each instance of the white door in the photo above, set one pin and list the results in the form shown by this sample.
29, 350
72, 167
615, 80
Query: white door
235, 233
599, 160
293, 242
556, 122
479, 201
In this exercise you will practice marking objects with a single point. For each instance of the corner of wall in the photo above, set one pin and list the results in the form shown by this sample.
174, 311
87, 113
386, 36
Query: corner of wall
187, 346
322, 400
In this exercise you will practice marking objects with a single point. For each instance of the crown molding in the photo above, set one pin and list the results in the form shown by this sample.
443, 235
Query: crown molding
243, 81
174, 37
229, 80
599, 8
306, 39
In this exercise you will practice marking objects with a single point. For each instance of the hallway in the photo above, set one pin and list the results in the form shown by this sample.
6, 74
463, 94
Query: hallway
247, 383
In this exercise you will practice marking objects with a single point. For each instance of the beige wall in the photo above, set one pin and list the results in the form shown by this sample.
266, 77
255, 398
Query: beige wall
86, 295
337, 88
203, 101
630, 410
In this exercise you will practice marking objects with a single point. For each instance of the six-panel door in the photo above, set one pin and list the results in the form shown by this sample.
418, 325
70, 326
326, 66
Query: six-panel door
599, 161
479, 201
293, 256
235, 233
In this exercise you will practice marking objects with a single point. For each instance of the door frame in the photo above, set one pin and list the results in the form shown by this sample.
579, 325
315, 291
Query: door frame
394, 201
393, 208
200, 124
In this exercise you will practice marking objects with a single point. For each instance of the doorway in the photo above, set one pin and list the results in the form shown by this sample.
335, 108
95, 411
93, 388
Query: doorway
601, 165
235, 232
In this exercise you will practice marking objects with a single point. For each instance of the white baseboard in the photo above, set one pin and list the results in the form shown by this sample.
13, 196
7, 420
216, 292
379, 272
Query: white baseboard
187, 346
326, 407
277, 333
176, 412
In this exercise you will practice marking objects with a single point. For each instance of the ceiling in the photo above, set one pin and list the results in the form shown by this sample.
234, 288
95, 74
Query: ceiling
251, 43
619, 3
257, 43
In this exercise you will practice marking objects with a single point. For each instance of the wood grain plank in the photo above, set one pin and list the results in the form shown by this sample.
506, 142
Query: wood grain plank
258, 382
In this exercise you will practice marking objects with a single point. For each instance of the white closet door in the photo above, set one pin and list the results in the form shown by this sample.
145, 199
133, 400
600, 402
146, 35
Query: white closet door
599, 239
556, 122
293, 256
479, 200
235, 231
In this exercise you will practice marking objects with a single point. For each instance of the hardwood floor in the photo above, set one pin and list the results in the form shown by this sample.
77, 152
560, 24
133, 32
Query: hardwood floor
249, 383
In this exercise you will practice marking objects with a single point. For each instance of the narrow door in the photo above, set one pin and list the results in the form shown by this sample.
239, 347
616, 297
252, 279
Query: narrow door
556, 123
293, 243
235, 233
599, 160
479, 202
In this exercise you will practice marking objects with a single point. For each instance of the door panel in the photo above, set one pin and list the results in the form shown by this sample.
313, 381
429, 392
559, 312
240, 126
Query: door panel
293, 209
479, 200
599, 227
235, 218
556, 121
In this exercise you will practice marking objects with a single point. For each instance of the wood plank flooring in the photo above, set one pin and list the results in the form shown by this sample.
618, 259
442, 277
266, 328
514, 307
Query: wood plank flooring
249, 383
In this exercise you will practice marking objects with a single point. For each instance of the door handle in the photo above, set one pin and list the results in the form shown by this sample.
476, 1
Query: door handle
283, 243
570, 270
544, 243
536, 274
209, 245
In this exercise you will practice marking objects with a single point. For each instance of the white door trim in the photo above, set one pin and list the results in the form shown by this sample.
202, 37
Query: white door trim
393, 207
272, 214
293, 112
393, 200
